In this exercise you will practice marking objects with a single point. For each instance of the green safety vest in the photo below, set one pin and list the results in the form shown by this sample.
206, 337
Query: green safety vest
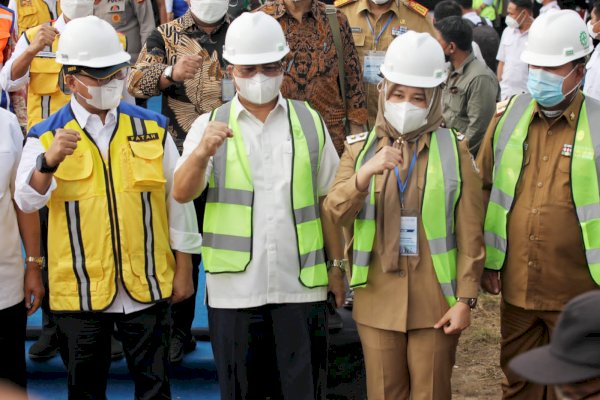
510, 134
227, 239
442, 191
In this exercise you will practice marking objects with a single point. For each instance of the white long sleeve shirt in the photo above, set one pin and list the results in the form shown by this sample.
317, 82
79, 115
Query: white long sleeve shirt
272, 275
183, 226
592, 76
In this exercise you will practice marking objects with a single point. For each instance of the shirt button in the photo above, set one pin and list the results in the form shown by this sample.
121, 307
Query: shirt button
402, 273
535, 211
531, 237
530, 263
549, 133
545, 158
540, 184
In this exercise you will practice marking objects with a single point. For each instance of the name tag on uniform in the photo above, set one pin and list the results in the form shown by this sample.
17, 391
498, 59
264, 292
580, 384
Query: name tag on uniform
227, 89
356, 29
399, 30
372, 65
409, 238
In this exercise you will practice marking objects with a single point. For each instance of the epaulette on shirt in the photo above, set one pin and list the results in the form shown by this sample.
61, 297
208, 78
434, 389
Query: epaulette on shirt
501, 107
418, 8
459, 136
359, 137
342, 3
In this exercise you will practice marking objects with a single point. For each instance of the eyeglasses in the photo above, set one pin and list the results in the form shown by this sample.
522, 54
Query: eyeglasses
120, 75
248, 71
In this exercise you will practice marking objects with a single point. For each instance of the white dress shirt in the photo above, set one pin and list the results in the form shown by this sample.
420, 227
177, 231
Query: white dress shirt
12, 4
272, 275
183, 226
553, 5
592, 76
11, 258
515, 72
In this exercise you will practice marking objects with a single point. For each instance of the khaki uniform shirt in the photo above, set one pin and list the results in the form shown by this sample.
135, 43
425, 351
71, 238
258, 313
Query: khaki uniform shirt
469, 100
411, 298
132, 18
545, 265
403, 18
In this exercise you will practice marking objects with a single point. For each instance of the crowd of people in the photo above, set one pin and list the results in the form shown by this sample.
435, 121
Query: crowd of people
389, 156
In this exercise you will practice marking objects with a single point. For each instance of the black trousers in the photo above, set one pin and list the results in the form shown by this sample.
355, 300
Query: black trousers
12, 344
84, 343
277, 351
184, 312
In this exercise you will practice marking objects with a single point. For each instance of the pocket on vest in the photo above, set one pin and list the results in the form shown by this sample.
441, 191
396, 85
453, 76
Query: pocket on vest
145, 164
74, 176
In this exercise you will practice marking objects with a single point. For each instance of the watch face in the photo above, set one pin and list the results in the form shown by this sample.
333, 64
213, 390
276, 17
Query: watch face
39, 162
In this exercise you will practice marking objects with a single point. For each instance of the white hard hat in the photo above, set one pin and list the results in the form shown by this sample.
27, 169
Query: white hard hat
556, 38
415, 59
254, 38
92, 43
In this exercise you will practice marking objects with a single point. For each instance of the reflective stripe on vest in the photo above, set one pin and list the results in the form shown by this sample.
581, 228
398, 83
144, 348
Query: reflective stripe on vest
227, 243
440, 198
511, 134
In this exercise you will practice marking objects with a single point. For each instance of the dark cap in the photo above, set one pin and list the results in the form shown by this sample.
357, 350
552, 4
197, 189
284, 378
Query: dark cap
98, 73
573, 354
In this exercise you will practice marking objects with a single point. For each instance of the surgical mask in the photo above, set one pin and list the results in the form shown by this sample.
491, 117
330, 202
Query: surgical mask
73, 9
546, 87
539, 1
379, 2
209, 11
513, 22
405, 117
590, 28
259, 89
105, 97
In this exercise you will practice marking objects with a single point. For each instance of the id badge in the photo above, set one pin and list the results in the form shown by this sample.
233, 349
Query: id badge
409, 233
372, 64
227, 90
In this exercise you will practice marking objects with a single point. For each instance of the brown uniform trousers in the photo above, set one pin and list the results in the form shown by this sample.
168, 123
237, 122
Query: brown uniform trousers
545, 265
404, 356
403, 18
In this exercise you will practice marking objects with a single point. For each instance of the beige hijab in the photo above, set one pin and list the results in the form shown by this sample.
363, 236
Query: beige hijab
388, 206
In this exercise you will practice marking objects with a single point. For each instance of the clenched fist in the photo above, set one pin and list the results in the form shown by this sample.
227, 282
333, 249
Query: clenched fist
386, 158
64, 144
186, 68
215, 135
44, 38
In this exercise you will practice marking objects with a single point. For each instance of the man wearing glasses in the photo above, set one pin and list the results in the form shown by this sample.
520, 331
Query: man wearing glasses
267, 161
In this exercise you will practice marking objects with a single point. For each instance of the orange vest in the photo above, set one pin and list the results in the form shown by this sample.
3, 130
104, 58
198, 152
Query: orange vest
6, 27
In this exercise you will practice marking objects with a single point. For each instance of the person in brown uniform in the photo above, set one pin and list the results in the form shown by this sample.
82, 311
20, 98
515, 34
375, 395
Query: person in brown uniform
541, 180
374, 24
312, 71
418, 243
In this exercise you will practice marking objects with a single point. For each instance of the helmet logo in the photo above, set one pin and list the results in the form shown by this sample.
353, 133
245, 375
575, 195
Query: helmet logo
583, 38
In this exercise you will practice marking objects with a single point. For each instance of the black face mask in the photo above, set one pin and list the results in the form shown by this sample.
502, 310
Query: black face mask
447, 57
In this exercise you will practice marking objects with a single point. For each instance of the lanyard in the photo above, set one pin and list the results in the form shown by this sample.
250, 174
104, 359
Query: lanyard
402, 186
382, 29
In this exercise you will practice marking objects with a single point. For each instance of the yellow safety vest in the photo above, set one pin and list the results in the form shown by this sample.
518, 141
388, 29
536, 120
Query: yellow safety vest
31, 13
227, 239
442, 191
510, 134
108, 218
7, 17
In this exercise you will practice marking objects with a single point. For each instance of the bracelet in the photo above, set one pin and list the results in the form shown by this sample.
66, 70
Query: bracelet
40, 261
341, 264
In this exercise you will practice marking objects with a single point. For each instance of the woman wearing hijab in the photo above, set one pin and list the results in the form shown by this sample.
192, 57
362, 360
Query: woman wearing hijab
410, 191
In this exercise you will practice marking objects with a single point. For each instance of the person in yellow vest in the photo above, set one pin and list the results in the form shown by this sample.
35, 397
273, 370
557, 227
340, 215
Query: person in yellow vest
118, 243
540, 163
374, 24
413, 194
32, 13
33, 62
267, 161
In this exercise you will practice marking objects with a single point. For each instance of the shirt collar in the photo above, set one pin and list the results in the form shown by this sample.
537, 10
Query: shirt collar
60, 23
460, 70
571, 114
280, 9
83, 116
188, 23
239, 107
363, 5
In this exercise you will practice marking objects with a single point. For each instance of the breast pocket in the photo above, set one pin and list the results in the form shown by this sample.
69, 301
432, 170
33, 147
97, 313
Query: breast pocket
145, 165
74, 176
456, 99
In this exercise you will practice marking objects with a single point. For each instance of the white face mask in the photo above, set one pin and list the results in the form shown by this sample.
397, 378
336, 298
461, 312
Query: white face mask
77, 8
405, 117
379, 2
590, 28
512, 22
259, 89
209, 11
105, 97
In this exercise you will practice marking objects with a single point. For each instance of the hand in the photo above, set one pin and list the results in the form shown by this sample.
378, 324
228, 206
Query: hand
456, 320
337, 286
64, 144
215, 135
44, 38
186, 67
34, 288
490, 281
386, 158
183, 284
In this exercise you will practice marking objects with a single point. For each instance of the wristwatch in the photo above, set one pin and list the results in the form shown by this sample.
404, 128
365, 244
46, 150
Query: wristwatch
42, 166
168, 73
341, 264
36, 260
470, 301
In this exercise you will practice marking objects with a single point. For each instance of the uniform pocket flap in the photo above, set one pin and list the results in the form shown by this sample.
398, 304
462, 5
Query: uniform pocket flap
149, 150
75, 167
